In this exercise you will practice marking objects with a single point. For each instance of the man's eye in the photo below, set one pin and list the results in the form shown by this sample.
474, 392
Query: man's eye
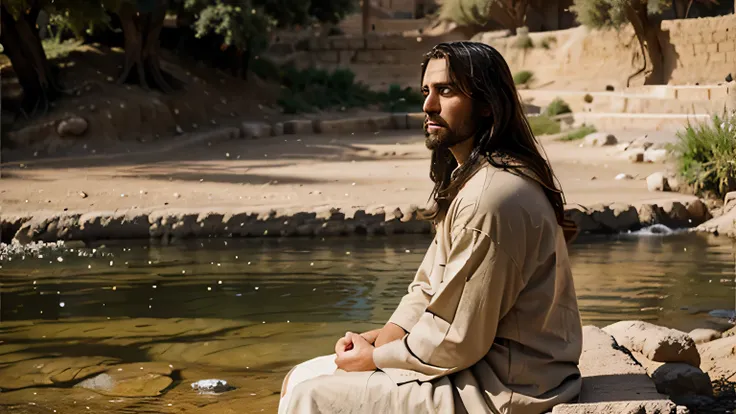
445, 91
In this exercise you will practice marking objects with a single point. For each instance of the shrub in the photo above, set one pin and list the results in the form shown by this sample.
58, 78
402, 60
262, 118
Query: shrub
588, 98
557, 107
523, 77
548, 41
706, 155
543, 125
524, 42
579, 133
397, 99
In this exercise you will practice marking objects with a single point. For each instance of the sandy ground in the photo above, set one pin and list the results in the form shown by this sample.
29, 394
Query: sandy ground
304, 173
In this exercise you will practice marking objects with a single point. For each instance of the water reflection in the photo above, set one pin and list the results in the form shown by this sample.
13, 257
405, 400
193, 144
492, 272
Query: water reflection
247, 310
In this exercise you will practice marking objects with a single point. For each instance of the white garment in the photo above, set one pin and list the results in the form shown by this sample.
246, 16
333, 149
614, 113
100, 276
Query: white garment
322, 365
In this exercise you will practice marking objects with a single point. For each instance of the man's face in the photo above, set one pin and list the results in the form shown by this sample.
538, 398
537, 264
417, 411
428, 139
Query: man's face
450, 118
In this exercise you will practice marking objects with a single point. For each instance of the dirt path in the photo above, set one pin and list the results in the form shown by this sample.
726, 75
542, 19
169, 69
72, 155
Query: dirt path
287, 172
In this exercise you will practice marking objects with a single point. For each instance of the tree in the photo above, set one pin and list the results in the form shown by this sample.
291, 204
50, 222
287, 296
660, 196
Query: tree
643, 16
510, 14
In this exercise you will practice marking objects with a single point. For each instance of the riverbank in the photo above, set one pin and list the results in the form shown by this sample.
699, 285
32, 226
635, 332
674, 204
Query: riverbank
298, 184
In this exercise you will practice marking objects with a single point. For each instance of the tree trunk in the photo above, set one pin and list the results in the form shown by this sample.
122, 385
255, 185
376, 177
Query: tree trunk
26, 54
647, 33
141, 32
680, 7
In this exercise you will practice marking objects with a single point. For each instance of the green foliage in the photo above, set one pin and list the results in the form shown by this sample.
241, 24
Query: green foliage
543, 125
557, 107
548, 41
523, 77
466, 12
612, 13
56, 49
706, 155
588, 98
524, 42
313, 89
579, 133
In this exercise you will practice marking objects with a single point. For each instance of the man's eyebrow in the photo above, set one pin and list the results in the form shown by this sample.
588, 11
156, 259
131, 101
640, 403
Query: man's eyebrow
440, 85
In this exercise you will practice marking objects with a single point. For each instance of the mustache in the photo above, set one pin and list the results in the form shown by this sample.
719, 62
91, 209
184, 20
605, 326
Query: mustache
435, 120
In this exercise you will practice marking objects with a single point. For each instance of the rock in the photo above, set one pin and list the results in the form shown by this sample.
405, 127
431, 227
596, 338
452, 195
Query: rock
599, 139
255, 130
624, 176
655, 155
277, 129
701, 336
636, 157
698, 211
48, 371
657, 343
298, 127
72, 127
211, 386
609, 373
729, 201
353, 125
83, 194
676, 214
650, 214
659, 406
719, 357
657, 182
146, 379
677, 379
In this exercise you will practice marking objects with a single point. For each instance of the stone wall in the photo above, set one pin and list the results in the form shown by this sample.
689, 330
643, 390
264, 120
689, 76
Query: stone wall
699, 50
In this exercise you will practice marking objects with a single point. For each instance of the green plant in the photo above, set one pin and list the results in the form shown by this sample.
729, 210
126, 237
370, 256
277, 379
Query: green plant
579, 133
523, 77
524, 42
543, 125
397, 99
706, 155
557, 107
588, 98
548, 41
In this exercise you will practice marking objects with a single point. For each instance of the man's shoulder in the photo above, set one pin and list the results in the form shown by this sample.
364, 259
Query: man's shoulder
494, 187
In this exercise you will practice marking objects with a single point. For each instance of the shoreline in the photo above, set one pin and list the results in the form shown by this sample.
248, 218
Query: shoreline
184, 223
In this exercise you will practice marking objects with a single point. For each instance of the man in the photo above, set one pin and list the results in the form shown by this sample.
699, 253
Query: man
490, 323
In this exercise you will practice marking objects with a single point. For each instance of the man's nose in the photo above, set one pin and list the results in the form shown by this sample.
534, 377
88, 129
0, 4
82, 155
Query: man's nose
431, 104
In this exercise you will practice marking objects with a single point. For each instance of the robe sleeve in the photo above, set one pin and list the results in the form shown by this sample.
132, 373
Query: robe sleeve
414, 303
480, 284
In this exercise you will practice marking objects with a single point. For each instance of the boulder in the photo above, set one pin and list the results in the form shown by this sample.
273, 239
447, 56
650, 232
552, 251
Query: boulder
676, 214
650, 214
609, 373
599, 139
701, 336
655, 155
72, 127
145, 379
660, 406
255, 130
656, 343
657, 182
678, 379
719, 357
298, 127
698, 211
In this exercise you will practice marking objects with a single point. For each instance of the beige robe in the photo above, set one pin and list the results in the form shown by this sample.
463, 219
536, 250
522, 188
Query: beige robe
492, 316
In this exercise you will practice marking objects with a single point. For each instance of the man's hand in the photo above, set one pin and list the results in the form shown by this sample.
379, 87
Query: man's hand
357, 359
371, 336
389, 333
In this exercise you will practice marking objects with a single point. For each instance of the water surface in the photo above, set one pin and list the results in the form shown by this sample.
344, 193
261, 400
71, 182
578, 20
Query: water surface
247, 310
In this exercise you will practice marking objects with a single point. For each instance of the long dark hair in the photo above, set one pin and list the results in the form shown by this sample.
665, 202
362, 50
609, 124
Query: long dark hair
504, 138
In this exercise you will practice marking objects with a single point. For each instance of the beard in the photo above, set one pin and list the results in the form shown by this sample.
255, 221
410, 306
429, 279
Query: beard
443, 138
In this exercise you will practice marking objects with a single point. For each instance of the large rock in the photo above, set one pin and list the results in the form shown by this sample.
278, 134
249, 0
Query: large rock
657, 343
72, 127
145, 379
661, 406
599, 139
255, 130
657, 182
677, 379
701, 335
299, 127
719, 357
655, 155
33, 371
611, 374
698, 211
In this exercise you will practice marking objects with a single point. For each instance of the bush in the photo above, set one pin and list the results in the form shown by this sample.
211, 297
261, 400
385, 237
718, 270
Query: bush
543, 125
706, 155
548, 41
524, 42
523, 77
588, 98
557, 107
579, 133
397, 99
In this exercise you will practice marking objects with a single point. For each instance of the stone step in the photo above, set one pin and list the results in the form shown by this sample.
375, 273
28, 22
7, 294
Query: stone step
648, 122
